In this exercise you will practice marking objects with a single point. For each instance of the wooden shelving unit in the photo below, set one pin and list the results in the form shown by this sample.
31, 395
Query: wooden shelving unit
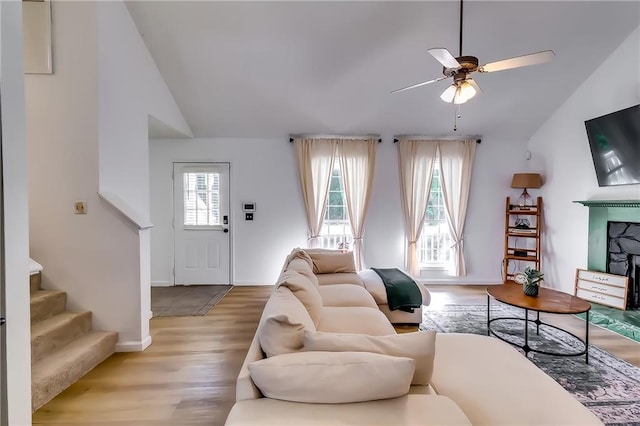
521, 244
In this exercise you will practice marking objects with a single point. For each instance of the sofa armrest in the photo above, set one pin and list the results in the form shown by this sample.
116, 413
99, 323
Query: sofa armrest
245, 388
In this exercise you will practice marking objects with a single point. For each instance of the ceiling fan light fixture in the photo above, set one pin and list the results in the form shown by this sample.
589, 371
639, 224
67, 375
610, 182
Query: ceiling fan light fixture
449, 94
465, 92
458, 93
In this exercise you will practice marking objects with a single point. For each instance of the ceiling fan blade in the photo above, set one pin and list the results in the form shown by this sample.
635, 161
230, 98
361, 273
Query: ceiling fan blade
443, 56
518, 61
419, 84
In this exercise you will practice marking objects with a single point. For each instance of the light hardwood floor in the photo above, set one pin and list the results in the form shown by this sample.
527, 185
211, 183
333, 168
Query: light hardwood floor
187, 376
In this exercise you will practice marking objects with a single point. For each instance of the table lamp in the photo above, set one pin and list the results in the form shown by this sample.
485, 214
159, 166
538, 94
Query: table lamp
524, 181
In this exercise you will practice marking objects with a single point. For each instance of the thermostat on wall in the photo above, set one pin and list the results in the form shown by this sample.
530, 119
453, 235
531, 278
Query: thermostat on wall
249, 207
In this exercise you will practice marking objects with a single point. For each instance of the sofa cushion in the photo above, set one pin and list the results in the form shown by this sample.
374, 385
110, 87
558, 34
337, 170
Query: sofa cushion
340, 278
282, 325
419, 346
405, 410
296, 253
303, 267
332, 377
332, 261
354, 320
346, 295
304, 290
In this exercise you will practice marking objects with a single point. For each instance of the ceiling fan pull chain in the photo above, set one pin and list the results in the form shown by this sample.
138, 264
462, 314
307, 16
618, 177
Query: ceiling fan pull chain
457, 115
455, 119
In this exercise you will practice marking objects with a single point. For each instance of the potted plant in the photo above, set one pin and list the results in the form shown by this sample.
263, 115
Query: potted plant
534, 278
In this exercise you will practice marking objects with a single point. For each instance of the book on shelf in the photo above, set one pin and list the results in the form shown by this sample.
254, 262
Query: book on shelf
522, 230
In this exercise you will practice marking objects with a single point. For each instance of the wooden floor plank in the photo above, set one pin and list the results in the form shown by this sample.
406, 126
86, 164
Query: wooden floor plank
187, 376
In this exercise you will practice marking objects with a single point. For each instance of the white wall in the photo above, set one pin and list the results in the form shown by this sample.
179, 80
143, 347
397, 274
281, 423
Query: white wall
266, 176
130, 91
561, 152
15, 224
97, 258
265, 171
130, 88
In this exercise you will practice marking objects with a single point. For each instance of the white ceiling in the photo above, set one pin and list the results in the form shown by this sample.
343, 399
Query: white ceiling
270, 69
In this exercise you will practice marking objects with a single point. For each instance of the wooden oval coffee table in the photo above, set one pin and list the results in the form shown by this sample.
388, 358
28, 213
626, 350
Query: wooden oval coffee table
548, 301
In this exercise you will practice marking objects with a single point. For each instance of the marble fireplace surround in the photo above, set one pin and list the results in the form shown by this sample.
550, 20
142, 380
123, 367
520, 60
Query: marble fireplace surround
601, 212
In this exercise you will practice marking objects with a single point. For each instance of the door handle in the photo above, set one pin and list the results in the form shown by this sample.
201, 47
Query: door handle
225, 230
2, 320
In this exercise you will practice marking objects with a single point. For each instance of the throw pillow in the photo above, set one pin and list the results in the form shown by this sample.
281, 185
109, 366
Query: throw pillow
419, 346
283, 322
332, 377
332, 261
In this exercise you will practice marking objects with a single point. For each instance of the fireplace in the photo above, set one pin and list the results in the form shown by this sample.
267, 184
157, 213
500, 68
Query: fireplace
623, 256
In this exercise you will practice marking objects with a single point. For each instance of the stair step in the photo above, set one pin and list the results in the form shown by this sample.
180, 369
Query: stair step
35, 281
57, 331
47, 303
58, 370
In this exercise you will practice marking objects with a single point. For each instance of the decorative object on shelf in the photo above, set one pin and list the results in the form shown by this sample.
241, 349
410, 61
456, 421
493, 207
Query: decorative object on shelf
533, 278
524, 181
520, 278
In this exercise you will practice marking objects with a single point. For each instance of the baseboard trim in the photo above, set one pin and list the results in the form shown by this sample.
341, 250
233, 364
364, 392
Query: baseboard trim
161, 283
240, 284
428, 281
133, 345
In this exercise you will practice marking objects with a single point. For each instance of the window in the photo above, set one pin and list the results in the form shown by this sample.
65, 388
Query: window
434, 245
201, 198
336, 229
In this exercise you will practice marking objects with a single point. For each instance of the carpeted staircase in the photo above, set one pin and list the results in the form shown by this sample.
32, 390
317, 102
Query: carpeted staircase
63, 346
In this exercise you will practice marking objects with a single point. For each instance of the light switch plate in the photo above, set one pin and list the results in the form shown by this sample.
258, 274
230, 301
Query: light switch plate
80, 207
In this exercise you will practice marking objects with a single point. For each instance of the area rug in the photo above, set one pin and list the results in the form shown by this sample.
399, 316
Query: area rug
608, 386
184, 301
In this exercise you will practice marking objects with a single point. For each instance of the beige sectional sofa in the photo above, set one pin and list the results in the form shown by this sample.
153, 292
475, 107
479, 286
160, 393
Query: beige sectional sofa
325, 354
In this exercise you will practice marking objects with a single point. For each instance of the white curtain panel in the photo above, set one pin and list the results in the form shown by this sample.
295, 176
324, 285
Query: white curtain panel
357, 160
315, 164
416, 158
456, 163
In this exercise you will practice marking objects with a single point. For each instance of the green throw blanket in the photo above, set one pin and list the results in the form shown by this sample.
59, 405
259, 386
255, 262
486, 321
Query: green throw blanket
402, 291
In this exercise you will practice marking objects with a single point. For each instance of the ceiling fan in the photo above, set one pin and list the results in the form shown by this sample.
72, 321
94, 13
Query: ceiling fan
464, 87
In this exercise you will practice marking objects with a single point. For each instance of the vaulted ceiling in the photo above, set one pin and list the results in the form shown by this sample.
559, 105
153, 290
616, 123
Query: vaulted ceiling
269, 69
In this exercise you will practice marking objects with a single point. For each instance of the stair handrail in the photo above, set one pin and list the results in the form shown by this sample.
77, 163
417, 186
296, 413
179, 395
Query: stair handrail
125, 209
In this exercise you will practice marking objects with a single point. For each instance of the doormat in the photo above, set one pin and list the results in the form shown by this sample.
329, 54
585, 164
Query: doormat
608, 386
185, 301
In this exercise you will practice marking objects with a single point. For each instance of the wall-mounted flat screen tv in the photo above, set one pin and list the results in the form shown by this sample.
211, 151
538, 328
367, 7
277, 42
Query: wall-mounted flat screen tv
614, 140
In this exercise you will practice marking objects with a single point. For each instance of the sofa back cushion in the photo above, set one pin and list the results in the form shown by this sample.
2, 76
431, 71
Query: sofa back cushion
331, 261
304, 290
283, 322
419, 346
304, 268
332, 377
296, 253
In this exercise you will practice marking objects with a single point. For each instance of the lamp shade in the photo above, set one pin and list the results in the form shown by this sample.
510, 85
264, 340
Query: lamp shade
526, 180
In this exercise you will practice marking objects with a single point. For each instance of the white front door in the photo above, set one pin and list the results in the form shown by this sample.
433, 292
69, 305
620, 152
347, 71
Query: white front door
201, 222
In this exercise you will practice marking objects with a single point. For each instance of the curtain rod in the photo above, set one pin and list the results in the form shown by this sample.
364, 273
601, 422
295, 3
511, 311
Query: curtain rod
315, 136
437, 138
